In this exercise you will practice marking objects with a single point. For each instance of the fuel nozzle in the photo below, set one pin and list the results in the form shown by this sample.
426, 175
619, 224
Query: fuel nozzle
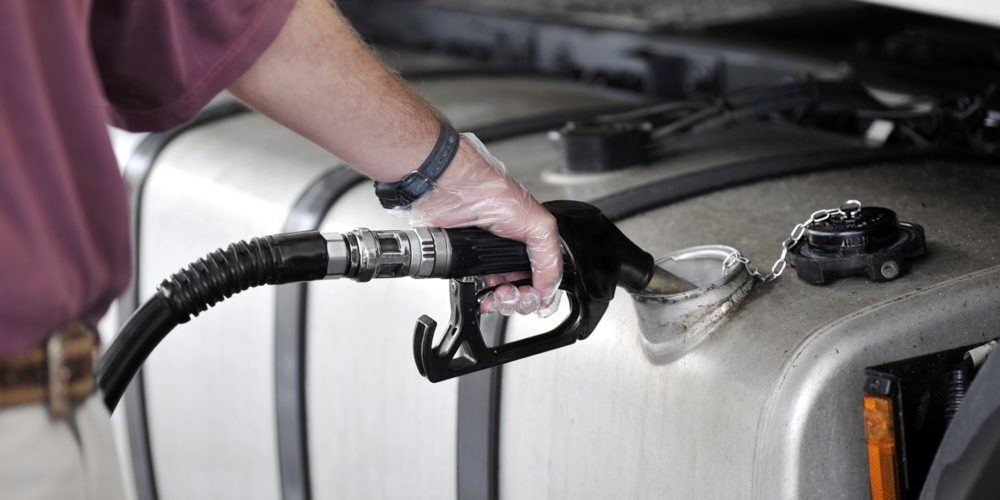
597, 258
429, 252
665, 282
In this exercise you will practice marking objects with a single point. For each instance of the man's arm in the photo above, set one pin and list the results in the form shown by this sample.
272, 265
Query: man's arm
319, 80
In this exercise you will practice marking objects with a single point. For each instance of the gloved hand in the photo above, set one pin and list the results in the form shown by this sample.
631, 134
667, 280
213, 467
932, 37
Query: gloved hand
475, 190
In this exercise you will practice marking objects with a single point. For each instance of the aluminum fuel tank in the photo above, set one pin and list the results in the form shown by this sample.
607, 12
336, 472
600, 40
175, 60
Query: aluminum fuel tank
379, 430
766, 406
769, 405
210, 390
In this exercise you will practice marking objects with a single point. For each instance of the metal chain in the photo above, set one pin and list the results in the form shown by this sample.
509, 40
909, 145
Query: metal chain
847, 209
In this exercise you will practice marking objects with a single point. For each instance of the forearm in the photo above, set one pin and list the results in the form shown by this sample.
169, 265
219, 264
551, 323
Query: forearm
319, 80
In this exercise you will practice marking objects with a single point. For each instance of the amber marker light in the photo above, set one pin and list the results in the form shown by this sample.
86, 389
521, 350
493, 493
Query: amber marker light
883, 470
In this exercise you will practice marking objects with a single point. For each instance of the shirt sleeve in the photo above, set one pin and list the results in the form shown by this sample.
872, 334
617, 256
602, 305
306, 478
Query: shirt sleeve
161, 61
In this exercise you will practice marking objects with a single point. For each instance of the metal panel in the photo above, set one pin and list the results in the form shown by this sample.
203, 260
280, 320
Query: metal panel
595, 420
377, 428
210, 383
290, 338
246, 173
376, 452
375, 424
536, 162
136, 170
771, 400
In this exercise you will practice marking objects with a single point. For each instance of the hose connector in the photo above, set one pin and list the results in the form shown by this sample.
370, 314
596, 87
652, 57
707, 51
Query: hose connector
363, 254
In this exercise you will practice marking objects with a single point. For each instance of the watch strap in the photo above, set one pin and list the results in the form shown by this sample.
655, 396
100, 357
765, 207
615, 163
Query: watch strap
402, 193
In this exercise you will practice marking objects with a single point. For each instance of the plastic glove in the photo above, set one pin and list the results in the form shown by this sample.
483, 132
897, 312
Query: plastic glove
475, 190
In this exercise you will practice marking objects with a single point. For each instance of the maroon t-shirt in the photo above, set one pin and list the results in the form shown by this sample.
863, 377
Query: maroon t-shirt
67, 68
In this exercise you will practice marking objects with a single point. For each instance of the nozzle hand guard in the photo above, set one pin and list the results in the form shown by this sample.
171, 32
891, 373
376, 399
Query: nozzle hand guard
597, 257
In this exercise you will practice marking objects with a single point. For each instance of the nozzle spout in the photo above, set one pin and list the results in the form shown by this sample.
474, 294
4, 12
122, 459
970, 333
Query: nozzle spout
665, 282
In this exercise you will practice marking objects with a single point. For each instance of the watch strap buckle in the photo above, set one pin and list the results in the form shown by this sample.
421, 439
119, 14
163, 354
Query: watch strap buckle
403, 193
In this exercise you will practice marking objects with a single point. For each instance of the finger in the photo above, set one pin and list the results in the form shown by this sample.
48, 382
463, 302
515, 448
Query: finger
540, 234
515, 277
492, 280
505, 299
529, 300
546, 310
546, 266
488, 304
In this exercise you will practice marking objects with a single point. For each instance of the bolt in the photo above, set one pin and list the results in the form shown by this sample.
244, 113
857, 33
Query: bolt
890, 269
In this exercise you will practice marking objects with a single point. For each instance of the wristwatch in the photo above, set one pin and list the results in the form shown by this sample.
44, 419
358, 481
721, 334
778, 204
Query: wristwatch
402, 193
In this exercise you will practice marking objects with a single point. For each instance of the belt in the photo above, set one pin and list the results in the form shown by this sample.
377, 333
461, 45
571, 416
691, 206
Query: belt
59, 372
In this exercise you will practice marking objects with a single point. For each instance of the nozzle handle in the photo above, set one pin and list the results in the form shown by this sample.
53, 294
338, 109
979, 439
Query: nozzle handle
597, 257
477, 252
585, 233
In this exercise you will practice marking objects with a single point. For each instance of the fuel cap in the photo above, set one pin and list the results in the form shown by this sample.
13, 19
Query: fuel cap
863, 241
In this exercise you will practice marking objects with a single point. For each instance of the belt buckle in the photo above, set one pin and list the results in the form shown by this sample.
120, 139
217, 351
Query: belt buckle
58, 375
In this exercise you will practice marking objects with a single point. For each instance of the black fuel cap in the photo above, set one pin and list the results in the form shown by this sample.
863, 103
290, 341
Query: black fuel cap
868, 241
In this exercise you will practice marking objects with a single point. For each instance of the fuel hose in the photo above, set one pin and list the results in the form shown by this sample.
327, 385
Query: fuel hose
589, 240
269, 260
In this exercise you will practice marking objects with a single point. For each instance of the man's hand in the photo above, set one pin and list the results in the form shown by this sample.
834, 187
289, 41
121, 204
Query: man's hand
475, 190
318, 79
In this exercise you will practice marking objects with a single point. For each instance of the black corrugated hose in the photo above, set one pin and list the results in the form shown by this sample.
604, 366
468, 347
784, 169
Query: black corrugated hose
268, 260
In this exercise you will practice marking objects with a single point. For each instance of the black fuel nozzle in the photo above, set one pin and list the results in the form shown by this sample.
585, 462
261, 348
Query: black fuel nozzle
590, 242
593, 248
597, 258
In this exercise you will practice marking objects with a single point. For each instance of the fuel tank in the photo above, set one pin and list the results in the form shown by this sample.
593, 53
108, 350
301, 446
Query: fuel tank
766, 405
239, 174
